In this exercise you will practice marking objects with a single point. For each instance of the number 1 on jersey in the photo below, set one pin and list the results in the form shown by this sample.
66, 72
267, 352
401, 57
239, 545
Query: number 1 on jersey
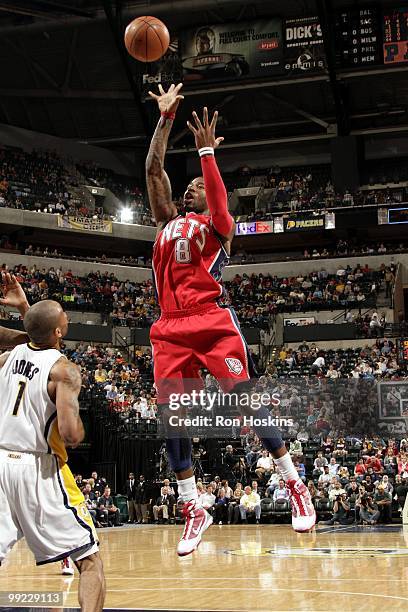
21, 388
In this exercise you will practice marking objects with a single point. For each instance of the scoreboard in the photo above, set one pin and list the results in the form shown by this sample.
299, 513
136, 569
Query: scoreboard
395, 36
358, 34
365, 37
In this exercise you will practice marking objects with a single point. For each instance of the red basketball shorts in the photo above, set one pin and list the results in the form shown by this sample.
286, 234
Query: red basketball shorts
206, 337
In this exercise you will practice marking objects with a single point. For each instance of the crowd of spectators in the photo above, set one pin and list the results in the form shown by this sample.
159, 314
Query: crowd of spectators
296, 189
327, 393
116, 300
99, 500
32, 180
256, 298
343, 248
40, 181
351, 479
127, 386
124, 187
380, 360
141, 261
289, 199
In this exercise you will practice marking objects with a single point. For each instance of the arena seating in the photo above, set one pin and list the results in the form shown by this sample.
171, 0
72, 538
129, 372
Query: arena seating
40, 181
256, 297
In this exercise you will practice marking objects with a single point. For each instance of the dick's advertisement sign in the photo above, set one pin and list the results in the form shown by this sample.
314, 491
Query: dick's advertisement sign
304, 223
238, 50
304, 48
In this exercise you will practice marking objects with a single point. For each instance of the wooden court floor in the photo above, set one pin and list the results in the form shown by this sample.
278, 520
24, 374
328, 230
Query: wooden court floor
237, 568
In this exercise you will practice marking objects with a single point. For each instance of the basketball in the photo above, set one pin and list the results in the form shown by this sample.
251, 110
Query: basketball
147, 39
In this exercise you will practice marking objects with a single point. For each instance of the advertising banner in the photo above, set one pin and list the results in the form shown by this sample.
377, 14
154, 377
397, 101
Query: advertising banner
304, 222
167, 70
299, 322
238, 50
254, 227
304, 48
85, 224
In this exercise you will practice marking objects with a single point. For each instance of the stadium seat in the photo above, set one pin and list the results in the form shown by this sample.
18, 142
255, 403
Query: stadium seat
280, 510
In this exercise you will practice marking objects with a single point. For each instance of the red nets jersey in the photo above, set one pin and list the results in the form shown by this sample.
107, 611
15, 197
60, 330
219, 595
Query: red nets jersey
188, 259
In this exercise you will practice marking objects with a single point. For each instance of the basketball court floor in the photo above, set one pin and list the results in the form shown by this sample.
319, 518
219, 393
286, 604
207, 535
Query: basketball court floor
236, 568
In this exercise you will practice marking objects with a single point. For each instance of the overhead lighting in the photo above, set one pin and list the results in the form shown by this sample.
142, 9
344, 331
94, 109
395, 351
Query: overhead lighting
126, 215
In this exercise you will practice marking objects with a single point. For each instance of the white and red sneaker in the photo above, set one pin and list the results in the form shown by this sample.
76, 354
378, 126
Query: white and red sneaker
67, 567
197, 521
303, 512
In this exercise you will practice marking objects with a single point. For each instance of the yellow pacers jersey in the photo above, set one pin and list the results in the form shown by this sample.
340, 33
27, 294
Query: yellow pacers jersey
28, 417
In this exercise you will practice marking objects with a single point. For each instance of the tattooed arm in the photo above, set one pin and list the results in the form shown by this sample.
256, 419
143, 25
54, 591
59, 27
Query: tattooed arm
158, 183
65, 385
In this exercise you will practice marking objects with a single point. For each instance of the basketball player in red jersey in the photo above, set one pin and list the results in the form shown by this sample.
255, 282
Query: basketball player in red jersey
192, 246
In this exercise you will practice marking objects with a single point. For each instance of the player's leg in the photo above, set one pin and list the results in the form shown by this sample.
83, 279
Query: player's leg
92, 587
55, 519
173, 363
229, 361
178, 446
10, 531
303, 511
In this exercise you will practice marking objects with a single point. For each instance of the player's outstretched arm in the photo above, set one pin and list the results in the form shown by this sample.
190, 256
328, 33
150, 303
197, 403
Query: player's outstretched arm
215, 192
158, 183
66, 379
13, 295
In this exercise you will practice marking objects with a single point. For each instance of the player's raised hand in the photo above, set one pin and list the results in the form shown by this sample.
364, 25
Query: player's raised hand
13, 294
168, 101
204, 133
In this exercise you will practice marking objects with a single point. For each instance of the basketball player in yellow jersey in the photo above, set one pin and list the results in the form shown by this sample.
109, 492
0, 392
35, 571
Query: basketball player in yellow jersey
39, 415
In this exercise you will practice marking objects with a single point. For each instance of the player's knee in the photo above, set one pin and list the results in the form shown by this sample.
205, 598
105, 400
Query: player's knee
91, 563
179, 454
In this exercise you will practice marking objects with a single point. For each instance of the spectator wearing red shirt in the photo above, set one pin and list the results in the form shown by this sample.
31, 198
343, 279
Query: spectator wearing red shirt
375, 463
360, 470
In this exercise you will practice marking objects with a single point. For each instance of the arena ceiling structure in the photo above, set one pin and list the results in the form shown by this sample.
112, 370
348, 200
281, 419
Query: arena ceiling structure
65, 72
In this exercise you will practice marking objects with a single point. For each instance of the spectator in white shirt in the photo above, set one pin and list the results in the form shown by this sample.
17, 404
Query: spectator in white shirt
207, 499
264, 465
273, 482
333, 467
281, 492
335, 489
250, 503
325, 478
318, 364
319, 464
147, 412
166, 483
332, 373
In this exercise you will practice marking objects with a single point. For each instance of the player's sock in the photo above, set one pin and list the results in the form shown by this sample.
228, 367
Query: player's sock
286, 467
187, 489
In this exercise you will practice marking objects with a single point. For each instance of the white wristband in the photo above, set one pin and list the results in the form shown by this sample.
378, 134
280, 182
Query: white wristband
205, 151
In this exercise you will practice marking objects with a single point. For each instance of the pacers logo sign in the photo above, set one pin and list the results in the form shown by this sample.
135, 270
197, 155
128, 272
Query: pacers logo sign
304, 224
340, 552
